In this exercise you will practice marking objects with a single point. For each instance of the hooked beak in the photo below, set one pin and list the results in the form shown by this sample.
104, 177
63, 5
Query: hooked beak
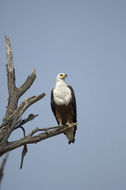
64, 76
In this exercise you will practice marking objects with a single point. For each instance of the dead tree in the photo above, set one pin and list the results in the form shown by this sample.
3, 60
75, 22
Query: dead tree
13, 116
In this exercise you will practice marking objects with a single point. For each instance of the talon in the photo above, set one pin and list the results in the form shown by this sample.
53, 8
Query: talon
70, 125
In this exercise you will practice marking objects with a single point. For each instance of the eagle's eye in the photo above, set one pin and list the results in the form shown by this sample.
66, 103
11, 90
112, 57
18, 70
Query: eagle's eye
61, 75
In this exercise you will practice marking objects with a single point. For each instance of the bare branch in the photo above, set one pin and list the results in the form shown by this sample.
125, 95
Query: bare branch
27, 84
2, 167
9, 55
24, 121
28, 102
30, 139
12, 101
43, 129
24, 151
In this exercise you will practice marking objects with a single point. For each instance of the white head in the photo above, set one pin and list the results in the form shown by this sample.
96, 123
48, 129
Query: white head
61, 76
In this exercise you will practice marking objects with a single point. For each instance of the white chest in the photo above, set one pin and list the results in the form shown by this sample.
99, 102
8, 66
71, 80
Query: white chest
62, 94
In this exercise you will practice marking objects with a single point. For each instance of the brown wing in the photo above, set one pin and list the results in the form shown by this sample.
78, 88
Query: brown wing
74, 110
73, 103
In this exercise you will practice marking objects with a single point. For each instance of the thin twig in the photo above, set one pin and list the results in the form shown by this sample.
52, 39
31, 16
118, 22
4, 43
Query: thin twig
43, 129
2, 167
24, 121
24, 151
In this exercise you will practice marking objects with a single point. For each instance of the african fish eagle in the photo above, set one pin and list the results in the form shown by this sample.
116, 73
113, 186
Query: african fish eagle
63, 104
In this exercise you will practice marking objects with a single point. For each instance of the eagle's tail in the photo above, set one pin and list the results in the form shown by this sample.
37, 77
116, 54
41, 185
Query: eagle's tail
70, 134
69, 142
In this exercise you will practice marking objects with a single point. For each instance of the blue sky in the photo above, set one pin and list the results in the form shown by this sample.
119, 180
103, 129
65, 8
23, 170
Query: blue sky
87, 40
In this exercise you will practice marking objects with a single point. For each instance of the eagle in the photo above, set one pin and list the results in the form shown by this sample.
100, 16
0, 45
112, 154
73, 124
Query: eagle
63, 104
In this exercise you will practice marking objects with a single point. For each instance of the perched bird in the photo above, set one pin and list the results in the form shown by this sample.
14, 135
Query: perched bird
63, 104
